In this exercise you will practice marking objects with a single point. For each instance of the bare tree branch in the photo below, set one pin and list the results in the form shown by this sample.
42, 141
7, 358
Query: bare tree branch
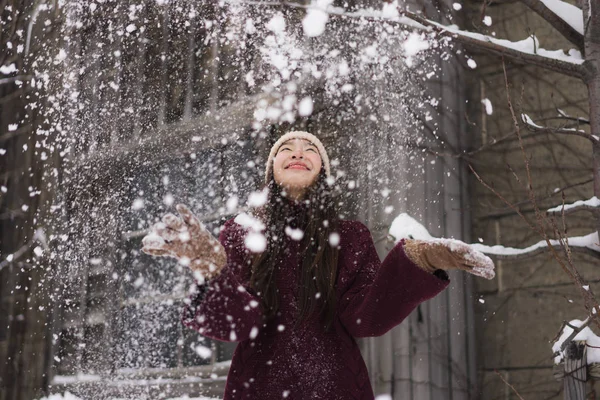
506, 212
508, 384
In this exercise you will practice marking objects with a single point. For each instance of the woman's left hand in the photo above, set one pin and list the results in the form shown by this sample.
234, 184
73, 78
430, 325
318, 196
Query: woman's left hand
448, 254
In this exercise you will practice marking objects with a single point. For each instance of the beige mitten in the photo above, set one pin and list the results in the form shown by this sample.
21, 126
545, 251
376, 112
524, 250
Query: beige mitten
432, 255
186, 239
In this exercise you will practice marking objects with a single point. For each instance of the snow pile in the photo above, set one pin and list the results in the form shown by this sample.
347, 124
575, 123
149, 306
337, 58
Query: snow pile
586, 334
406, 227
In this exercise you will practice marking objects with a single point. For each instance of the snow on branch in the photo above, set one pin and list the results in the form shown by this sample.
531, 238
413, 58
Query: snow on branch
565, 18
532, 126
526, 51
571, 14
564, 115
577, 330
592, 205
589, 244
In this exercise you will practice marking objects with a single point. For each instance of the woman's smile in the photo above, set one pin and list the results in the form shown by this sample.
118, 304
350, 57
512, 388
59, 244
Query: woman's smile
298, 165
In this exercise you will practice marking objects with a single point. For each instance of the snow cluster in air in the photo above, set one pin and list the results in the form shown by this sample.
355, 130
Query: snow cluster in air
316, 18
489, 109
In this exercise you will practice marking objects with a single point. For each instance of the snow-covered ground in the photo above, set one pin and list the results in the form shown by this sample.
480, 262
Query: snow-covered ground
69, 396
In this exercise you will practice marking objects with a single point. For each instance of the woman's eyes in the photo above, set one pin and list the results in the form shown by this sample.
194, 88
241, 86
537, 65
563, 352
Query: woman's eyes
287, 148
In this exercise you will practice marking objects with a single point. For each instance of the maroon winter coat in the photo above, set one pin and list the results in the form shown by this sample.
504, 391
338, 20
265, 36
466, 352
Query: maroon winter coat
275, 361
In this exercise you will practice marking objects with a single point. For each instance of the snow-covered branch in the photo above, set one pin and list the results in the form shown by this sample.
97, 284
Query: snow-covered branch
588, 244
532, 126
565, 18
574, 330
592, 205
580, 120
526, 51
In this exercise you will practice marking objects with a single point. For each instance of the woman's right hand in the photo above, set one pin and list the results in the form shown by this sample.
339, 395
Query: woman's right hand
186, 239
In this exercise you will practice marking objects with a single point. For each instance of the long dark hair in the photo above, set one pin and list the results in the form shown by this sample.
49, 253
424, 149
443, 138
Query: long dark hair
318, 220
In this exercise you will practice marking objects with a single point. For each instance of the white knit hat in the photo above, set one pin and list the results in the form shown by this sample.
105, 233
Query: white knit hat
294, 135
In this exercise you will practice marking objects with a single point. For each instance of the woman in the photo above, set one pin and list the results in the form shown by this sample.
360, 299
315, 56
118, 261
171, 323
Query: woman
296, 307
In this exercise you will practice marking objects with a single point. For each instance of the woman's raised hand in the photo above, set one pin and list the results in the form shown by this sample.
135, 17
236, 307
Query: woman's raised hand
186, 239
449, 254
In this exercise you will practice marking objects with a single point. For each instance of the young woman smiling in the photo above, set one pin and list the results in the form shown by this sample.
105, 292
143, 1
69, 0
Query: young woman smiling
297, 307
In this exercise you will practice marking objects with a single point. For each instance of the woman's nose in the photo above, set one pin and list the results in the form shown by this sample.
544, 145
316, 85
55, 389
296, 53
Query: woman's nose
298, 153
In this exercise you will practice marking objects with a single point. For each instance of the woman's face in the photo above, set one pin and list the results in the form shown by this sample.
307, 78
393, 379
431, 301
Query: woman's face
296, 166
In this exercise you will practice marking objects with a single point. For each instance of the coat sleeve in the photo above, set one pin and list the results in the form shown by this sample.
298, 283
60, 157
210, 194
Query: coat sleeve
383, 294
225, 308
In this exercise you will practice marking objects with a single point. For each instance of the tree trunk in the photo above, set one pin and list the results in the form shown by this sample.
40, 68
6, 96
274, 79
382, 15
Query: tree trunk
591, 19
